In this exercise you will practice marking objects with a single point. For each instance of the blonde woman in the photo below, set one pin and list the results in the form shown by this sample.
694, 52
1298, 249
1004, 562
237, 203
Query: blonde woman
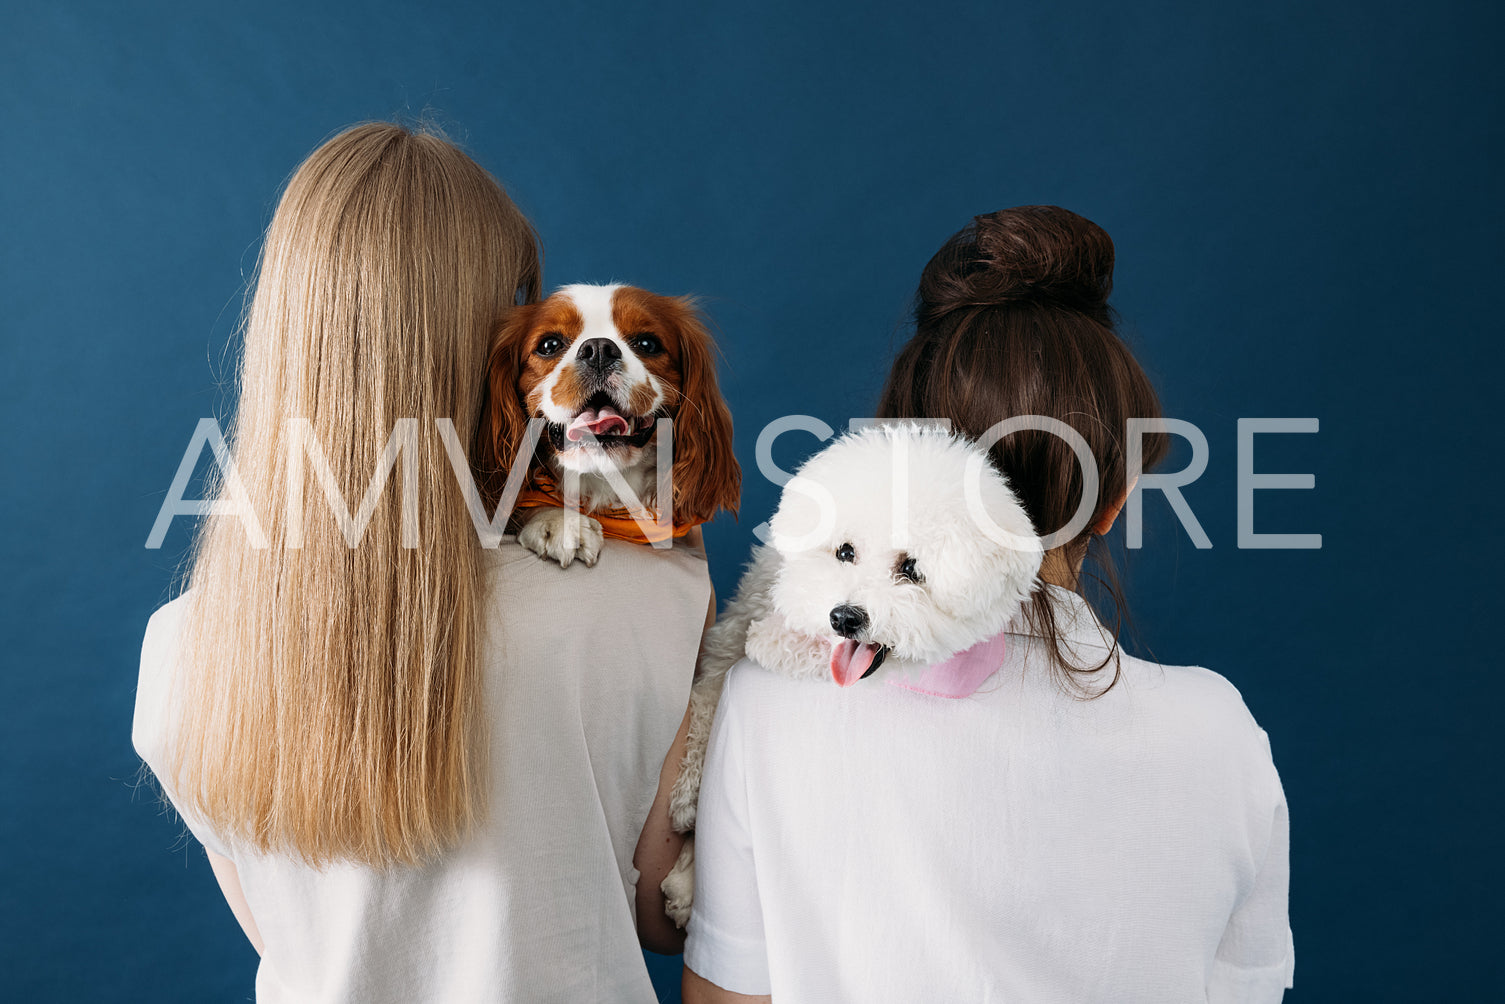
414, 779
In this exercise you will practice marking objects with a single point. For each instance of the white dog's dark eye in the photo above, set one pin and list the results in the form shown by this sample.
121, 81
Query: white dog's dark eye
549, 345
846, 552
907, 569
645, 344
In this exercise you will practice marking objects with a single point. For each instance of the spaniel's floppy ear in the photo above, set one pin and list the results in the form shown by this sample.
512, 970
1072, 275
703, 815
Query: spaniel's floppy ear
706, 474
504, 425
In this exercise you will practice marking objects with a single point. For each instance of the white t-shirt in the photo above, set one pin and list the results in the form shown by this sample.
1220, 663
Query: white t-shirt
875, 844
588, 673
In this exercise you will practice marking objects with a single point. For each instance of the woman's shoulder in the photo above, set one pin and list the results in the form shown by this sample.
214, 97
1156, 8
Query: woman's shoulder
747, 674
510, 561
165, 622
151, 727
159, 645
669, 586
1197, 702
1187, 685
754, 692
154, 680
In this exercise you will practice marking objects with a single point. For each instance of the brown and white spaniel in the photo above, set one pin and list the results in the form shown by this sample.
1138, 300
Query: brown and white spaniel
603, 367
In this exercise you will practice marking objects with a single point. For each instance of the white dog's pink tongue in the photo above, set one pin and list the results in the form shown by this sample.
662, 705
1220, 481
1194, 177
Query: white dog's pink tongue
850, 659
605, 422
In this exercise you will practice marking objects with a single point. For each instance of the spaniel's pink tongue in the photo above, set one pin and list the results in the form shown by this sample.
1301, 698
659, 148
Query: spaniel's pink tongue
850, 659
605, 422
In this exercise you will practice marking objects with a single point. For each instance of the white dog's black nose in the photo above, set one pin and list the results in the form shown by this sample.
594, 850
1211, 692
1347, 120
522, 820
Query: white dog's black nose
847, 620
599, 353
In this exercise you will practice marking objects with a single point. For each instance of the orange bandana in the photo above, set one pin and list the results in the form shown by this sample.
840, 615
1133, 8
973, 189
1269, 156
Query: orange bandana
542, 490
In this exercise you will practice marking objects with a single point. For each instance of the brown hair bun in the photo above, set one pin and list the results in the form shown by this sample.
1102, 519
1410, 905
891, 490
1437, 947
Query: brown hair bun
1029, 254
1012, 319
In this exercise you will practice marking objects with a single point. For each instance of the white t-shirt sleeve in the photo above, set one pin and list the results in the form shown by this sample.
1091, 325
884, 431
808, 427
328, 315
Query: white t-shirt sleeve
151, 729
1256, 958
726, 942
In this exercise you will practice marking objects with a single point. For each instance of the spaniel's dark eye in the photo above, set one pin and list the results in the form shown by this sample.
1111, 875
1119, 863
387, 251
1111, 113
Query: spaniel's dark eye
906, 569
646, 344
549, 345
846, 552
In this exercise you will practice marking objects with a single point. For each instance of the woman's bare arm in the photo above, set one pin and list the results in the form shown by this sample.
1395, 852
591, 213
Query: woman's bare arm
658, 848
659, 845
229, 884
696, 989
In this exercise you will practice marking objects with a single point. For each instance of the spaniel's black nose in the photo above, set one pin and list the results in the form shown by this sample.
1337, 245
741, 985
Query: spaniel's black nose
848, 620
599, 353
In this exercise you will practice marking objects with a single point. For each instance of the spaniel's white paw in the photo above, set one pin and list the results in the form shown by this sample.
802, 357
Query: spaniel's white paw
562, 535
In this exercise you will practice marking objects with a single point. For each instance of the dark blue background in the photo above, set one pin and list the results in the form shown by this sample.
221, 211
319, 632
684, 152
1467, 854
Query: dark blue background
1306, 204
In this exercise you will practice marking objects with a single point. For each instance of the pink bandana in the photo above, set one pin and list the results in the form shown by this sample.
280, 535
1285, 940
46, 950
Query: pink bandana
960, 675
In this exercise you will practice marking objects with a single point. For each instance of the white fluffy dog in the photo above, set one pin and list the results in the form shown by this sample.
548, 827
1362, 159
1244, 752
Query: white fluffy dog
894, 549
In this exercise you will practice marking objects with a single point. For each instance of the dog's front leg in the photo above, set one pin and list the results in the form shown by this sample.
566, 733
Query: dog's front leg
562, 535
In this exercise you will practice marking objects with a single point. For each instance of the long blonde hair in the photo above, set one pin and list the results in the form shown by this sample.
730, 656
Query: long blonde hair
331, 694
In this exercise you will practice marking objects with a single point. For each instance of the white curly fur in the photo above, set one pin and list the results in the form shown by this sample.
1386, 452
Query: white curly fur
974, 580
